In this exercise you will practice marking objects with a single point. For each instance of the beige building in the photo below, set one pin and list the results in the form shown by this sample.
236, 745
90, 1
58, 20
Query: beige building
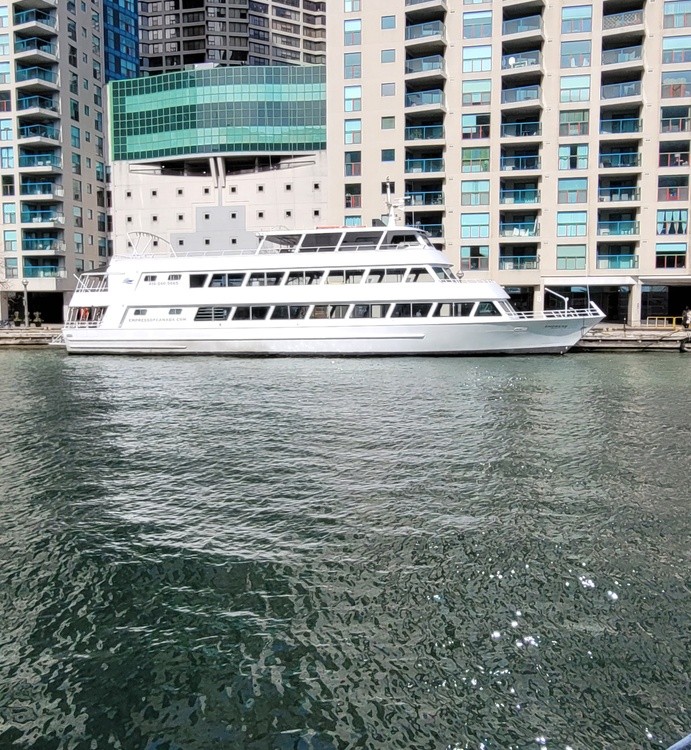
546, 145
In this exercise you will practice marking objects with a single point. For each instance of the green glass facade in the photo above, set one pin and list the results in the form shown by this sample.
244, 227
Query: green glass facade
263, 109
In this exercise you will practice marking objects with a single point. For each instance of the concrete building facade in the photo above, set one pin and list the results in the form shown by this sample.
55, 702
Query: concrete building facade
546, 145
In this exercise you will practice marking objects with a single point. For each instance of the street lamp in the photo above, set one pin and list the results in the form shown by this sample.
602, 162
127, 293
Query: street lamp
25, 284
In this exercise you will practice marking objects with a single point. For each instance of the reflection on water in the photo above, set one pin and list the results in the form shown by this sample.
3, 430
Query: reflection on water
455, 553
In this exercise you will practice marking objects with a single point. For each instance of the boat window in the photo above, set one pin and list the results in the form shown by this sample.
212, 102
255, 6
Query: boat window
259, 313
441, 272
401, 238
386, 275
329, 311
272, 278
150, 277
289, 312
360, 311
174, 276
175, 311
325, 242
205, 314
421, 309
402, 310
419, 274
453, 310
304, 277
360, 240
139, 311
198, 280
506, 306
236, 279
245, 312
241, 313
487, 309
370, 311
345, 277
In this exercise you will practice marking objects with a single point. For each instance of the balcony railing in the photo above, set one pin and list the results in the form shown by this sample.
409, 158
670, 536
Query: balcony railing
605, 228
508, 163
606, 194
40, 188
519, 262
675, 125
617, 261
44, 272
424, 98
424, 30
36, 217
521, 25
522, 94
676, 159
35, 44
39, 131
619, 90
428, 198
434, 230
622, 125
40, 102
520, 195
520, 129
622, 20
520, 60
34, 16
36, 73
680, 193
39, 160
424, 165
425, 64
44, 244
622, 55
619, 160
519, 229
424, 132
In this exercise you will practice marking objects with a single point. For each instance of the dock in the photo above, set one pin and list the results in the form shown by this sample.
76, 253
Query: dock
28, 337
611, 337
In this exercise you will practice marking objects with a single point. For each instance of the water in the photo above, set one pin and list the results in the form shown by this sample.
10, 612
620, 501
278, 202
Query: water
429, 553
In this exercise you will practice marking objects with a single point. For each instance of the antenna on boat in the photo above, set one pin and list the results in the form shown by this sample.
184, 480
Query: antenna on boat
391, 205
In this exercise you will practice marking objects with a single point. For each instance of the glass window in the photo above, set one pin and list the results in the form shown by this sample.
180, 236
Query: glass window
676, 49
388, 123
353, 163
475, 159
572, 223
9, 213
573, 190
6, 130
388, 22
352, 32
475, 126
476, 92
352, 65
474, 225
672, 221
571, 257
475, 193
576, 54
477, 24
388, 55
352, 131
352, 98
676, 84
677, 14
388, 89
388, 154
574, 122
474, 258
576, 19
477, 59
350, 6
575, 89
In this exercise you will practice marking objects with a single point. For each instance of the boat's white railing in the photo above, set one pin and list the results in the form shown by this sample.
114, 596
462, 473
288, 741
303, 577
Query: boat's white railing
89, 283
572, 312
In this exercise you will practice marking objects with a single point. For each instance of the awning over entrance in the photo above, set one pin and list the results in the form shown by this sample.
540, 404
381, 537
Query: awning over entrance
589, 281
666, 280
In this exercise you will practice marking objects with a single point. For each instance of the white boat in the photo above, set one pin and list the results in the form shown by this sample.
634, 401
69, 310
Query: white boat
323, 292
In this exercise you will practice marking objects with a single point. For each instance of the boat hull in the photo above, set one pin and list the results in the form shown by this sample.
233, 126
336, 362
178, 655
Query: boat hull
297, 339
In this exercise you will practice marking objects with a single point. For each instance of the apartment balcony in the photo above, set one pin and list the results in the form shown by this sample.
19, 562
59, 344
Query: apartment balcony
47, 216
629, 57
519, 229
624, 90
427, 199
43, 245
619, 126
40, 162
677, 159
525, 163
527, 27
37, 79
675, 125
44, 272
520, 129
434, 230
38, 190
617, 228
424, 166
621, 160
426, 38
426, 101
519, 196
519, 262
519, 62
36, 21
429, 68
618, 194
38, 106
616, 262
37, 134
35, 50
521, 95
628, 21
424, 133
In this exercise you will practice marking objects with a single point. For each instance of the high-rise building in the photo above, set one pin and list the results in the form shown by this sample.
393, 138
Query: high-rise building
545, 145
176, 34
53, 148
